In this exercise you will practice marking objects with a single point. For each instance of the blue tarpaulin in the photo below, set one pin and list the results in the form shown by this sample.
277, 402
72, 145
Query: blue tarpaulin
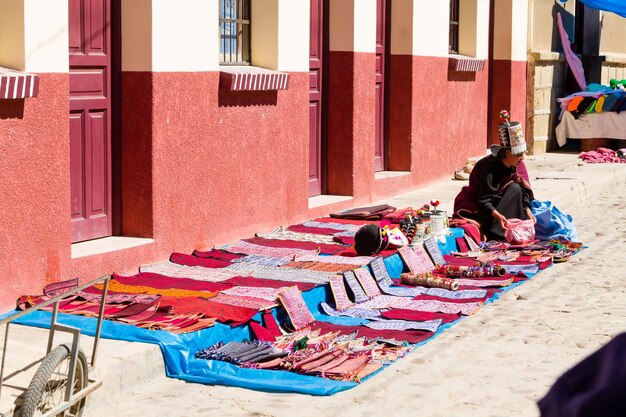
615, 6
179, 350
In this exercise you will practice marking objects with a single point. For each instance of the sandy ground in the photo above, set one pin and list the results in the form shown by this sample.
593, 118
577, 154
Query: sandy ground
498, 362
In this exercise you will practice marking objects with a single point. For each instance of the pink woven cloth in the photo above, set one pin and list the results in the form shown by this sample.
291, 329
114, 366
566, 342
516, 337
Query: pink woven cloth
602, 155
575, 65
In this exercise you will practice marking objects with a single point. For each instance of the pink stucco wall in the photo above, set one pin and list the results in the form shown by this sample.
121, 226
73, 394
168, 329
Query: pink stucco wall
34, 189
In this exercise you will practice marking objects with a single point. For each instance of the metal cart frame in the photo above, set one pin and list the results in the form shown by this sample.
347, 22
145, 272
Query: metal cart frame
70, 397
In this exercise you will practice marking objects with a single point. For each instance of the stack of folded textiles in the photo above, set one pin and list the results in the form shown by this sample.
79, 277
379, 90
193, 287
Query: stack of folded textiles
328, 355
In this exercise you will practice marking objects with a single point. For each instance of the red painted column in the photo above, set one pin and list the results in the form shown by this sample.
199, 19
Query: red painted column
136, 154
508, 93
340, 116
400, 112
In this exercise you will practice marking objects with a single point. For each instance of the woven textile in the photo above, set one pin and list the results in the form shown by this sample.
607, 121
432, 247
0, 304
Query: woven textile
429, 325
386, 285
484, 282
300, 228
338, 289
323, 248
268, 283
282, 234
320, 266
194, 272
279, 273
260, 332
58, 288
224, 313
161, 281
218, 254
263, 260
411, 336
245, 301
456, 295
252, 249
96, 297
367, 282
367, 370
441, 306
379, 269
190, 260
355, 312
131, 310
199, 324
332, 225
155, 310
525, 269
317, 359
256, 292
416, 259
144, 289
343, 260
385, 301
336, 362
412, 315
355, 287
350, 369
296, 308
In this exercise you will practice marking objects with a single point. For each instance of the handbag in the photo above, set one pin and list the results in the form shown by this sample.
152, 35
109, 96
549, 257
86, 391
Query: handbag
519, 231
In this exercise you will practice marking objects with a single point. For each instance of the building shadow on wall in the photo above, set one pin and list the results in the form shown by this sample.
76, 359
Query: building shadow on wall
461, 76
11, 109
227, 98
563, 81
569, 22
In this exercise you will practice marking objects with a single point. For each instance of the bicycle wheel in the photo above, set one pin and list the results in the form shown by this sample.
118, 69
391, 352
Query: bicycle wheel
47, 388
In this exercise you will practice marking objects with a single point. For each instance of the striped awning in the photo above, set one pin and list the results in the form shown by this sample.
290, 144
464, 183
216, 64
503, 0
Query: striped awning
16, 84
252, 79
462, 63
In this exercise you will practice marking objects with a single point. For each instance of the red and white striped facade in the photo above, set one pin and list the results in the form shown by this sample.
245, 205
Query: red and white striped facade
252, 79
16, 84
202, 167
463, 64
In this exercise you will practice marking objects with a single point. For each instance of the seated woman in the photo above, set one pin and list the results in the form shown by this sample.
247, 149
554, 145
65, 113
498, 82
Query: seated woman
498, 188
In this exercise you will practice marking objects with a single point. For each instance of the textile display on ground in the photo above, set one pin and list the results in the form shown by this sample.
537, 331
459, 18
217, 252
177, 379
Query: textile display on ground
279, 317
604, 155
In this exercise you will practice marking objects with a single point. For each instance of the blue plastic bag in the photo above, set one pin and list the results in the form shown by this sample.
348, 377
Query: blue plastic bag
552, 223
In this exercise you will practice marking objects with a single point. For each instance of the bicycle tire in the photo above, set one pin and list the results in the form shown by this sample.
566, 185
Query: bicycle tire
42, 387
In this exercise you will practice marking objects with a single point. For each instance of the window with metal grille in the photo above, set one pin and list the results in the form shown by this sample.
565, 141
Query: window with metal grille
453, 46
234, 32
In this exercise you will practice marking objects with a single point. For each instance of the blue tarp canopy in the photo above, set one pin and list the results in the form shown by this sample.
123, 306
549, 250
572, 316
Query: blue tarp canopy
615, 6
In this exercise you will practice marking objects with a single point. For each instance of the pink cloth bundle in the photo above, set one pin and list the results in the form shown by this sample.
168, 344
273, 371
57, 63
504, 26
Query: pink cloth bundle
602, 155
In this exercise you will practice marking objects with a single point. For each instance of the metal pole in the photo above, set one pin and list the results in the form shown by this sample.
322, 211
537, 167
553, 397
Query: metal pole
99, 325
4, 354
71, 374
53, 321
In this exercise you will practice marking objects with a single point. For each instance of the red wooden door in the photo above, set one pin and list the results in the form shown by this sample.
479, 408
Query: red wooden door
90, 118
381, 40
316, 78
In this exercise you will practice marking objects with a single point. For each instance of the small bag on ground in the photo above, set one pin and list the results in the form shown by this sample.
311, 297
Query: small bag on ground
520, 232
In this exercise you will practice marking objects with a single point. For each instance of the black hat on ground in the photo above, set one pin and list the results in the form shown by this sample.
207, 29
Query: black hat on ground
368, 240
